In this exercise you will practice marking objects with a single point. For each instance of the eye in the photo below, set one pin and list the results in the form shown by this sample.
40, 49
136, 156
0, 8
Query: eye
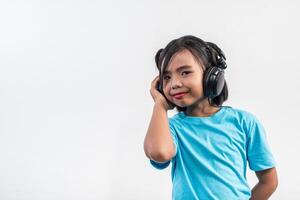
187, 72
166, 77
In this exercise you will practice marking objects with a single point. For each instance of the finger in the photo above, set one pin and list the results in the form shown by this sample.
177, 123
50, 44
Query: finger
155, 80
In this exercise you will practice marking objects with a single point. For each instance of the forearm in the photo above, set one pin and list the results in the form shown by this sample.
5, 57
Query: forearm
262, 191
158, 140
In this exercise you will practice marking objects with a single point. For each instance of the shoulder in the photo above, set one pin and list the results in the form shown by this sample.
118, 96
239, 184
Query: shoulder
174, 116
243, 118
174, 119
242, 114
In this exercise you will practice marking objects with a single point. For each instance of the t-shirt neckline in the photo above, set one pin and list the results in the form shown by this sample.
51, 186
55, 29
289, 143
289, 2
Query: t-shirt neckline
214, 115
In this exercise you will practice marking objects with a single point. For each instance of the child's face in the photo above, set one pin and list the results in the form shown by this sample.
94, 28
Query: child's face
187, 79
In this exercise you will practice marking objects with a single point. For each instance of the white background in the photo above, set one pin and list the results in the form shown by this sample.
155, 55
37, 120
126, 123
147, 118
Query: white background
74, 90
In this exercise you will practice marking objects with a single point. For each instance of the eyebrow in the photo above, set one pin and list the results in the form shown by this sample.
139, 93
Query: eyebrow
178, 69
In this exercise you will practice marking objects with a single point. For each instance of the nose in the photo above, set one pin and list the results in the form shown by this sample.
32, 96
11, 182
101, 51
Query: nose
176, 83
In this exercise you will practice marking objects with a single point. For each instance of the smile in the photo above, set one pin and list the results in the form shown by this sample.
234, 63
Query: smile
179, 96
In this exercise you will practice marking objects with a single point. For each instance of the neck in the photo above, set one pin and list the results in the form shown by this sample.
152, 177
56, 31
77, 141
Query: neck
201, 108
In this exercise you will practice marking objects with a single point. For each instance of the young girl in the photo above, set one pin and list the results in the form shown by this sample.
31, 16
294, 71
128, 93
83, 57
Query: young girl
209, 145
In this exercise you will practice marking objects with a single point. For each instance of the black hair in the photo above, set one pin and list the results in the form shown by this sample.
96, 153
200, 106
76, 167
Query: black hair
205, 53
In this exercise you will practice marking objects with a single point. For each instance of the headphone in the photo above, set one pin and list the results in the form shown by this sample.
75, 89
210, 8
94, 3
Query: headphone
213, 78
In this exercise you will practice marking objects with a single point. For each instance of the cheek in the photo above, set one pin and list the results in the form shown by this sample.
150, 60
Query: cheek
197, 87
166, 85
166, 89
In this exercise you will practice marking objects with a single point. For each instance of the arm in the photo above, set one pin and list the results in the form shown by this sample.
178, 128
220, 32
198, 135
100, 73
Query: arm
158, 143
267, 184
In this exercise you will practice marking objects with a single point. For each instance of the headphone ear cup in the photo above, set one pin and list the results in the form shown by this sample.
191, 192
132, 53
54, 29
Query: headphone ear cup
220, 82
213, 82
206, 83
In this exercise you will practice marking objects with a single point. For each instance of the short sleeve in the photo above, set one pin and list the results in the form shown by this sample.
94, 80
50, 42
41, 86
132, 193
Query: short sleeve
160, 165
258, 150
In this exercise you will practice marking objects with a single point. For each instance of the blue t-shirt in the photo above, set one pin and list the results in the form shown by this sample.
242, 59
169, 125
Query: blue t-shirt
212, 154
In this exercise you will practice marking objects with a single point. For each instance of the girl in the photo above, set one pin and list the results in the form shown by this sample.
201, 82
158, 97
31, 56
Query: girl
209, 145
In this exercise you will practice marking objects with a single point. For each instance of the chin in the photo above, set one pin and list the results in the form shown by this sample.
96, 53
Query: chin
182, 104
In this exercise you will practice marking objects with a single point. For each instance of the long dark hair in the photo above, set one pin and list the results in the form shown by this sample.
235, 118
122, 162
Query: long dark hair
204, 52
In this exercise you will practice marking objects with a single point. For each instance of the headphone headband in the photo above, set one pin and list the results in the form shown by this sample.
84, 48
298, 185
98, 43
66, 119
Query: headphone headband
219, 59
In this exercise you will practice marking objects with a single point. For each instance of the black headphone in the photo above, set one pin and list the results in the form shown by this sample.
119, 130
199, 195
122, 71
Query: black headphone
213, 78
